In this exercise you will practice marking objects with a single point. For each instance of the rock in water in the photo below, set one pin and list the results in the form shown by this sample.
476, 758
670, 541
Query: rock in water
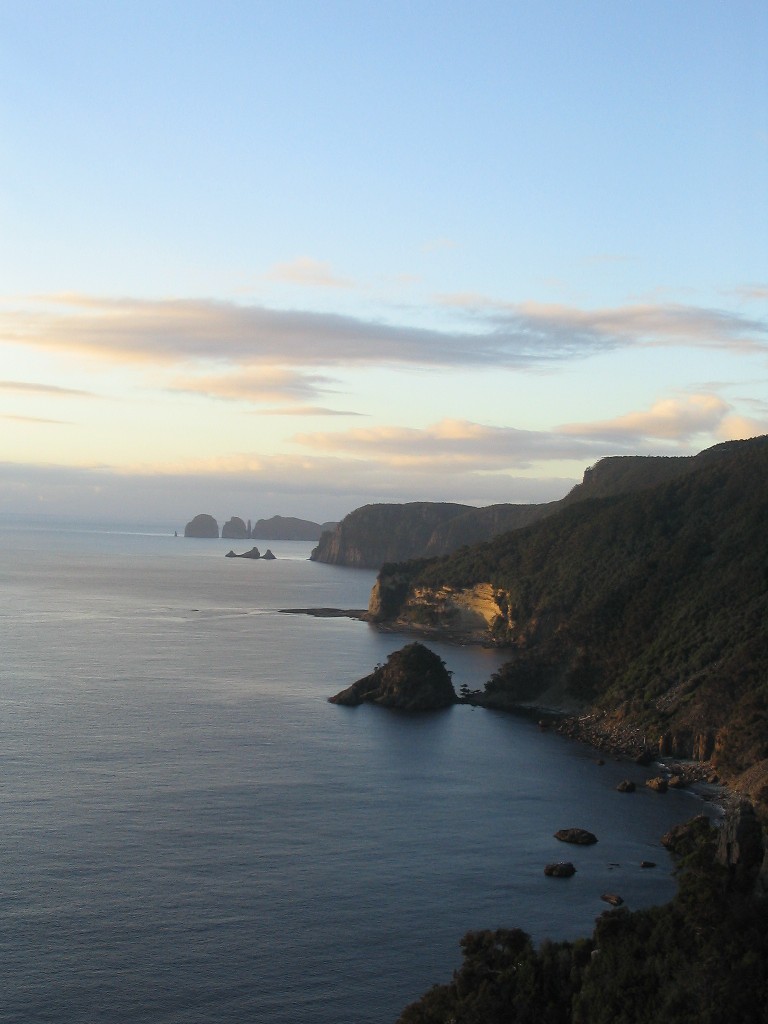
253, 553
413, 679
202, 526
234, 529
563, 869
580, 836
612, 898
658, 784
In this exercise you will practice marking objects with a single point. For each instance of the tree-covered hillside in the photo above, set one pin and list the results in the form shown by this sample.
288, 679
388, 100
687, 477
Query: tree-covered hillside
374, 534
651, 606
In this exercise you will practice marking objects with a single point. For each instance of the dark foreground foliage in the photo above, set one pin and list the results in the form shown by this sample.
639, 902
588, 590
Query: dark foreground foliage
701, 959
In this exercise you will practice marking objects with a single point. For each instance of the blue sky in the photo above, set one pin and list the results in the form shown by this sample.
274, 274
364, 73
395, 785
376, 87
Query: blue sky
293, 257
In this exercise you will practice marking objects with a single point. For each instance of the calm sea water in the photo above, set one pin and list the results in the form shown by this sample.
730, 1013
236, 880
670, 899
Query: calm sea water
190, 832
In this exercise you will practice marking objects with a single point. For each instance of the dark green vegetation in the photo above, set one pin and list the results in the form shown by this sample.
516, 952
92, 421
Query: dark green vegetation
701, 959
375, 534
648, 609
412, 679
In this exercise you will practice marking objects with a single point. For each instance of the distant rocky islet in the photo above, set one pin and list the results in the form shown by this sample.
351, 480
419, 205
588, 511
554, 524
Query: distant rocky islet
205, 526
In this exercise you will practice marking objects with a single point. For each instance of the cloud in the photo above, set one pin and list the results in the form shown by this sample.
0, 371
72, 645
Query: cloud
316, 488
576, 330
669, 419
439, 245
36, 419
308, 272
739, 428
266, 384
194, 332
305, 410
454, 444
49, 390
755, 292
671, 426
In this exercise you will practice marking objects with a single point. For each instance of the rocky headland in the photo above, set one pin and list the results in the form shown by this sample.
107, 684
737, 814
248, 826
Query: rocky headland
373, 535
640, 619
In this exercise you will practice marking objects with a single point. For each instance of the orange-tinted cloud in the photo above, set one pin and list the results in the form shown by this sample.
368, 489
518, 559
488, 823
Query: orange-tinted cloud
669, 419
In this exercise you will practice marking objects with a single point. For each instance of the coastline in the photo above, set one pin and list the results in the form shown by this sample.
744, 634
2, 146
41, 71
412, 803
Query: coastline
596, 729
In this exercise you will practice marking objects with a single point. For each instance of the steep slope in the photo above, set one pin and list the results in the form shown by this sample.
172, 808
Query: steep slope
649, 609
287, 528
375, 534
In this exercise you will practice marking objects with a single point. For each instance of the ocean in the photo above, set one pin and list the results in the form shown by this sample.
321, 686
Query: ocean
190, 832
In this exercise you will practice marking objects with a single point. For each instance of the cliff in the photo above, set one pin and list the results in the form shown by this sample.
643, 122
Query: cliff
288, 528
375, 534
647, 610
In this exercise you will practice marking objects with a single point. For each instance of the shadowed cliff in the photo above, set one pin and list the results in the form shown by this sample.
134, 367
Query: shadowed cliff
375, 534
649, 610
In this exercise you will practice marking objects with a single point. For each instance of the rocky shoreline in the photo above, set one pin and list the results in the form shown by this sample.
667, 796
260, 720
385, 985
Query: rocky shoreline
604, 733
598, 729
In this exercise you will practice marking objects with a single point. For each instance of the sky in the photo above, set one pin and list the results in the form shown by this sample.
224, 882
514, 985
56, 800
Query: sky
291, 257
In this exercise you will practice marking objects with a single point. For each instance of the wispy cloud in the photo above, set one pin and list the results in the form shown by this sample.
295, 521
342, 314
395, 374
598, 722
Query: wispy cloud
49, 390
452, 444
755, 292
439, 245
266, 384
306, 271
304, 411
584, 331
36, 419
528, 335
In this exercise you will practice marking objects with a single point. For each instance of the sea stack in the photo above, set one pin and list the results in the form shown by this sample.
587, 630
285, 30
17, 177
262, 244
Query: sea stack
202, 526
413, 679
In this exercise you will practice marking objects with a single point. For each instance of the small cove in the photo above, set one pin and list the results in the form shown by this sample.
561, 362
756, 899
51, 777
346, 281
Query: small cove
190, 832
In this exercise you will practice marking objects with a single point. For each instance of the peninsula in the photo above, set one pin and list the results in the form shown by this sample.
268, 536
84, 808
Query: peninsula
642, 617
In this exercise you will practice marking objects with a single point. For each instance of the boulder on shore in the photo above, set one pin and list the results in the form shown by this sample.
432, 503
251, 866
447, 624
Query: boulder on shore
202, 526
413, 679
658, 784
580, 836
